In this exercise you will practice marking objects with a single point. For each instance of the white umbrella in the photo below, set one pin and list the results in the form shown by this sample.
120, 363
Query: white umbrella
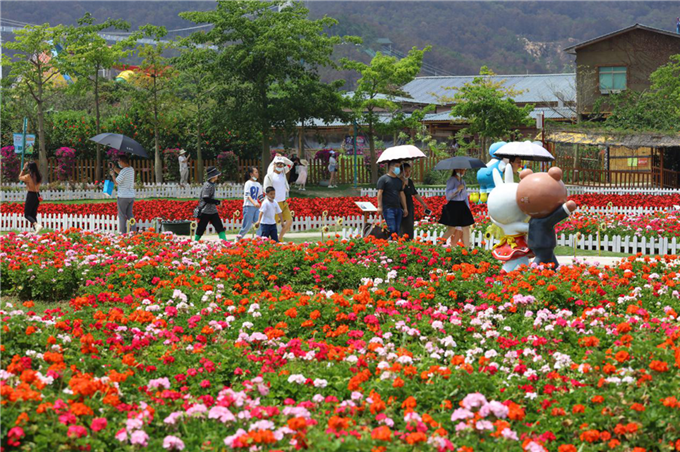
526, 150
404, 152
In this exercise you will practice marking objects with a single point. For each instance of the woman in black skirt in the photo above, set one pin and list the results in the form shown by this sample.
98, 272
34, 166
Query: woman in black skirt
30, 175
456, 214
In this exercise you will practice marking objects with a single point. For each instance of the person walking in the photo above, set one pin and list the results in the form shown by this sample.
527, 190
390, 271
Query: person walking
677, 24
252, 195
456, 214
293, 171
270, 214
183, 167
391, 199
277, 178
333, 170
410, 192
30, 175
207, 207
124, 178
301, 175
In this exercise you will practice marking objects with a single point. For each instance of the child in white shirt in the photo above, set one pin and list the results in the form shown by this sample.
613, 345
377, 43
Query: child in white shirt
269, 210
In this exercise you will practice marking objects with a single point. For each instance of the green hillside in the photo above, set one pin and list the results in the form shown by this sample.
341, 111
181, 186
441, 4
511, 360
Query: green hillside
509, 37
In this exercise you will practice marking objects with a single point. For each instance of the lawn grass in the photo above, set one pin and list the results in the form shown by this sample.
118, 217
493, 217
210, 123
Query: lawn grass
569, 251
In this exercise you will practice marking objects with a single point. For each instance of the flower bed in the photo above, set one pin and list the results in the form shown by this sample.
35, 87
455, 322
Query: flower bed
177, 345
340, 206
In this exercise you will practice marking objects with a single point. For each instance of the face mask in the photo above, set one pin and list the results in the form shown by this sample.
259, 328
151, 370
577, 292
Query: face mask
396, 170
254, 178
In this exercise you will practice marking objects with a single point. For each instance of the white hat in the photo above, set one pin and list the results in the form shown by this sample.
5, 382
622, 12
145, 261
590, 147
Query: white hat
182, 152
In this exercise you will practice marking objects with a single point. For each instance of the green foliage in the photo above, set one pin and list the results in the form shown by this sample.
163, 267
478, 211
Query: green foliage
36, 71
435, 177
154, 93
657, 109
489, 109
377, 89
271, 59
86, 55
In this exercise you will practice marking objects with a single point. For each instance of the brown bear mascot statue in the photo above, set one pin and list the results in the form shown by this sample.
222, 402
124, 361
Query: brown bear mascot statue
543, 197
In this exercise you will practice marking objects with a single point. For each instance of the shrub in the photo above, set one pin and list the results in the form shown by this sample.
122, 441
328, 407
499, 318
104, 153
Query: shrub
171, 165
114, 154
436, 177
66, 162
10, 164
228, 163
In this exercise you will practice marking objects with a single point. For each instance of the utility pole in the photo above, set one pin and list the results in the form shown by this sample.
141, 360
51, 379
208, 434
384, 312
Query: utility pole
356, 168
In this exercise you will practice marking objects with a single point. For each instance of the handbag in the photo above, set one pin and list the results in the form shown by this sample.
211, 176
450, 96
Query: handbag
199, 209
375, 230
108, 187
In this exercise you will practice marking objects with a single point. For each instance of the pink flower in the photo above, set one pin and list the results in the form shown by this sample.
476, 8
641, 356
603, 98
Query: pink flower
498, 409
98, 424
474, 400
461, 413
122, 435
77, 431
68, 418
139, 438
172, 443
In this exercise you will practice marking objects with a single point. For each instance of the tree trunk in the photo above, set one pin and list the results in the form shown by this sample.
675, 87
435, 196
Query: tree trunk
42, 155
158, 163
371, 145
98, 167
199, 153
266, 150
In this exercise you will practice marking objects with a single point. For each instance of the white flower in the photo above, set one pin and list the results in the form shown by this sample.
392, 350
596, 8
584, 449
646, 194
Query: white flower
297, 378
320, 383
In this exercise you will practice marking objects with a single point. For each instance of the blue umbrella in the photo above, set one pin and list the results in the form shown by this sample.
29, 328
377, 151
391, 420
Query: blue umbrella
121, 142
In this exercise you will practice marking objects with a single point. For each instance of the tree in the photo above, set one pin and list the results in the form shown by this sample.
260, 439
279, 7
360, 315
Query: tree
195, 84
656, 109
86, 55
36, 69
154, 85
376, 90
487, 106
264, 47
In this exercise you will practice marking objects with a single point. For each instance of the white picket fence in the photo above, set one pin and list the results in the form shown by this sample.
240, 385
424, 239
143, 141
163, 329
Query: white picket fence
615, 244
104, 223
579, 190
18, 194
571, 189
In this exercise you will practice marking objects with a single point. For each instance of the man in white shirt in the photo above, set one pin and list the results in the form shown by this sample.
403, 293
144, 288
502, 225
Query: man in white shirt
124, 178
183, 167
277, 178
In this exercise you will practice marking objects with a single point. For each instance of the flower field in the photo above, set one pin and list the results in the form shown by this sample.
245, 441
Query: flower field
665, 222
168, 344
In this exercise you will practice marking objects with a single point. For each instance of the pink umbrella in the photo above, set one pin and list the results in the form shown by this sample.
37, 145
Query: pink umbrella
404, 152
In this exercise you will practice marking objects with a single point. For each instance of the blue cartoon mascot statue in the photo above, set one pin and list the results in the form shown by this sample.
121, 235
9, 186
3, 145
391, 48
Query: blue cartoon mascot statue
485, 175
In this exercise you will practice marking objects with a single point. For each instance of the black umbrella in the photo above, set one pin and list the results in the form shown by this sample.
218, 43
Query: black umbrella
121, 142
460, 162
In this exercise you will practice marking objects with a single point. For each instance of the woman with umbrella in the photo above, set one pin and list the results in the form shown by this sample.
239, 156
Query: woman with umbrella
124, 174
456, 214
124, 178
